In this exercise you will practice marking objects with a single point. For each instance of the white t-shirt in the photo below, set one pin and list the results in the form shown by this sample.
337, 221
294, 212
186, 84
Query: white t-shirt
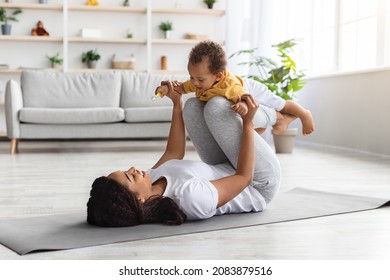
188, 184
263, 95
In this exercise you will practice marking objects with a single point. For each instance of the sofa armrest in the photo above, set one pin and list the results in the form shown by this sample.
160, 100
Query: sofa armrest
13, 104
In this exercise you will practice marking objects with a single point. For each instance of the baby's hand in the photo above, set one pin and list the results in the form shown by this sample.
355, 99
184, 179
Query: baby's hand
163, 89
240, 108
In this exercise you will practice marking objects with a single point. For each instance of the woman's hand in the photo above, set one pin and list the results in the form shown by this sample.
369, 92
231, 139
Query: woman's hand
252, 106
170, 92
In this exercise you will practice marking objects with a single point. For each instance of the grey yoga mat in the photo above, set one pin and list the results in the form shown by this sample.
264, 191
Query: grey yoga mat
56, 232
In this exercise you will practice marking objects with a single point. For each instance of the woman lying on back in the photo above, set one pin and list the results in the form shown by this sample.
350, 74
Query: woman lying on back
238, 171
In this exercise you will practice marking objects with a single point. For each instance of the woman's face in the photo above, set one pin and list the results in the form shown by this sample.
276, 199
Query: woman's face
136, 181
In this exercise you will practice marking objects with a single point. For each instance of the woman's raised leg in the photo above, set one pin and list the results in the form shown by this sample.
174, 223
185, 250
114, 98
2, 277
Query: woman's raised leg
199, 133
226, 128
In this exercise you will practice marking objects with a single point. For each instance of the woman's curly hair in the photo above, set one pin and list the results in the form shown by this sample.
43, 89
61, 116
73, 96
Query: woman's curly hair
213, 52
112, 205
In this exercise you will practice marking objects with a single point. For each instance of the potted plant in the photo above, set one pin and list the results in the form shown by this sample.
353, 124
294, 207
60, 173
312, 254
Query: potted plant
6, 28
90, 57
210, 3
55, 60
281, 77
166, 27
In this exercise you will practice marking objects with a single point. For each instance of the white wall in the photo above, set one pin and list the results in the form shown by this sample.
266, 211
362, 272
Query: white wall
351, 111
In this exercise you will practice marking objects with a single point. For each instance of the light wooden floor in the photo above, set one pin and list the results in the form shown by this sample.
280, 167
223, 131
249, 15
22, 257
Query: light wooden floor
55, 177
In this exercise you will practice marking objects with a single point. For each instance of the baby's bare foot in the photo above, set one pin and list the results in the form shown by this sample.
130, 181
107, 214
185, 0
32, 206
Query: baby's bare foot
282, 122
260, 130
307, 123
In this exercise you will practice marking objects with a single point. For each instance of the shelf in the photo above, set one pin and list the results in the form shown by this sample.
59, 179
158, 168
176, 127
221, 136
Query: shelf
120, 9
179, 41
144, 44
32, 6
10, 71
206, 12
30, 38
106, 40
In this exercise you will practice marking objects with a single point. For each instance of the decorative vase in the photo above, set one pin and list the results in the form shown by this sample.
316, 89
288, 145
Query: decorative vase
6, 29
164, 63
167, 34
284, 143
55, 65
91, 64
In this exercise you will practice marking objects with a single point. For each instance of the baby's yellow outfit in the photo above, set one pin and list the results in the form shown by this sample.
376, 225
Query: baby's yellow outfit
230, 87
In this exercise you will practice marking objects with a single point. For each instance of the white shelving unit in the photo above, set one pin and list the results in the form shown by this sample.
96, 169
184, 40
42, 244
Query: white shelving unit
145, 44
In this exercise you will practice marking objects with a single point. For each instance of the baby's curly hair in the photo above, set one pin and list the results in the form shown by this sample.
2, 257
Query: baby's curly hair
213, 52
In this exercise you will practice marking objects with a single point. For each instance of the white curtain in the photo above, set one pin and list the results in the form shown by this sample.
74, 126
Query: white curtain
253, 24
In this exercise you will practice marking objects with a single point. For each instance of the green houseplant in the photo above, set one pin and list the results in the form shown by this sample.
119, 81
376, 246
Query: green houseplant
166, 27
210, 3
55, 60
4, 17
90, 57
281, 77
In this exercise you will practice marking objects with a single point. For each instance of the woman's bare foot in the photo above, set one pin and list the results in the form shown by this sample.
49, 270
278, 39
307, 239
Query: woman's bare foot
307, 123
282, 122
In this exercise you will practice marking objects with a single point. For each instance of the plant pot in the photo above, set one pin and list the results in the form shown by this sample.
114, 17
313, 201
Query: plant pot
55, 65
42, 1
91, 64
284, 143
6, 29
167, 34
210, 6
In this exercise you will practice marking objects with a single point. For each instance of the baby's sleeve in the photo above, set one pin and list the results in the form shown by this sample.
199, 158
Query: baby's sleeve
188, 86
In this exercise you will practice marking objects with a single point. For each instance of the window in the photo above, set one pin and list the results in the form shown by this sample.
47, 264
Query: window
338, 35
358, 34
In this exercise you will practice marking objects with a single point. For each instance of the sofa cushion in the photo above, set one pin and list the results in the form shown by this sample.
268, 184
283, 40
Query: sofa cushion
138, 88
71, 116
46, 89
148, 114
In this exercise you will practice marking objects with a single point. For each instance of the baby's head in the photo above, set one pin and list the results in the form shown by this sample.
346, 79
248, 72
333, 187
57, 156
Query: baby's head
206, 63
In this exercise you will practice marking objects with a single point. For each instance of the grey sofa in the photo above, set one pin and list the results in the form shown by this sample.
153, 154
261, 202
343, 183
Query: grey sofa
88, 105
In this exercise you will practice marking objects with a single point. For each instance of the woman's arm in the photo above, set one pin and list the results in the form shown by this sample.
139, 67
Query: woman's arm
175, 148
231, 186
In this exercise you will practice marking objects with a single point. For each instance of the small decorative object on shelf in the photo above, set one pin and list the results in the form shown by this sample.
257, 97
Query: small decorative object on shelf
42, 1
6, 27
90, 57
55, 60
129, 33
123, 62
40, 30
210, 3
164, 63
92, 3
166, 27
192, 36
90, 33
126, 3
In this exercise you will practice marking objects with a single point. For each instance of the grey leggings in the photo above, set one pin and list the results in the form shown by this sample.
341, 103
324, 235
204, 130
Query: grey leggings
216, 130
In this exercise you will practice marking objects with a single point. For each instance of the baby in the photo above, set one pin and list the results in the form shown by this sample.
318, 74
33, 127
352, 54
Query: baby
209, 78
